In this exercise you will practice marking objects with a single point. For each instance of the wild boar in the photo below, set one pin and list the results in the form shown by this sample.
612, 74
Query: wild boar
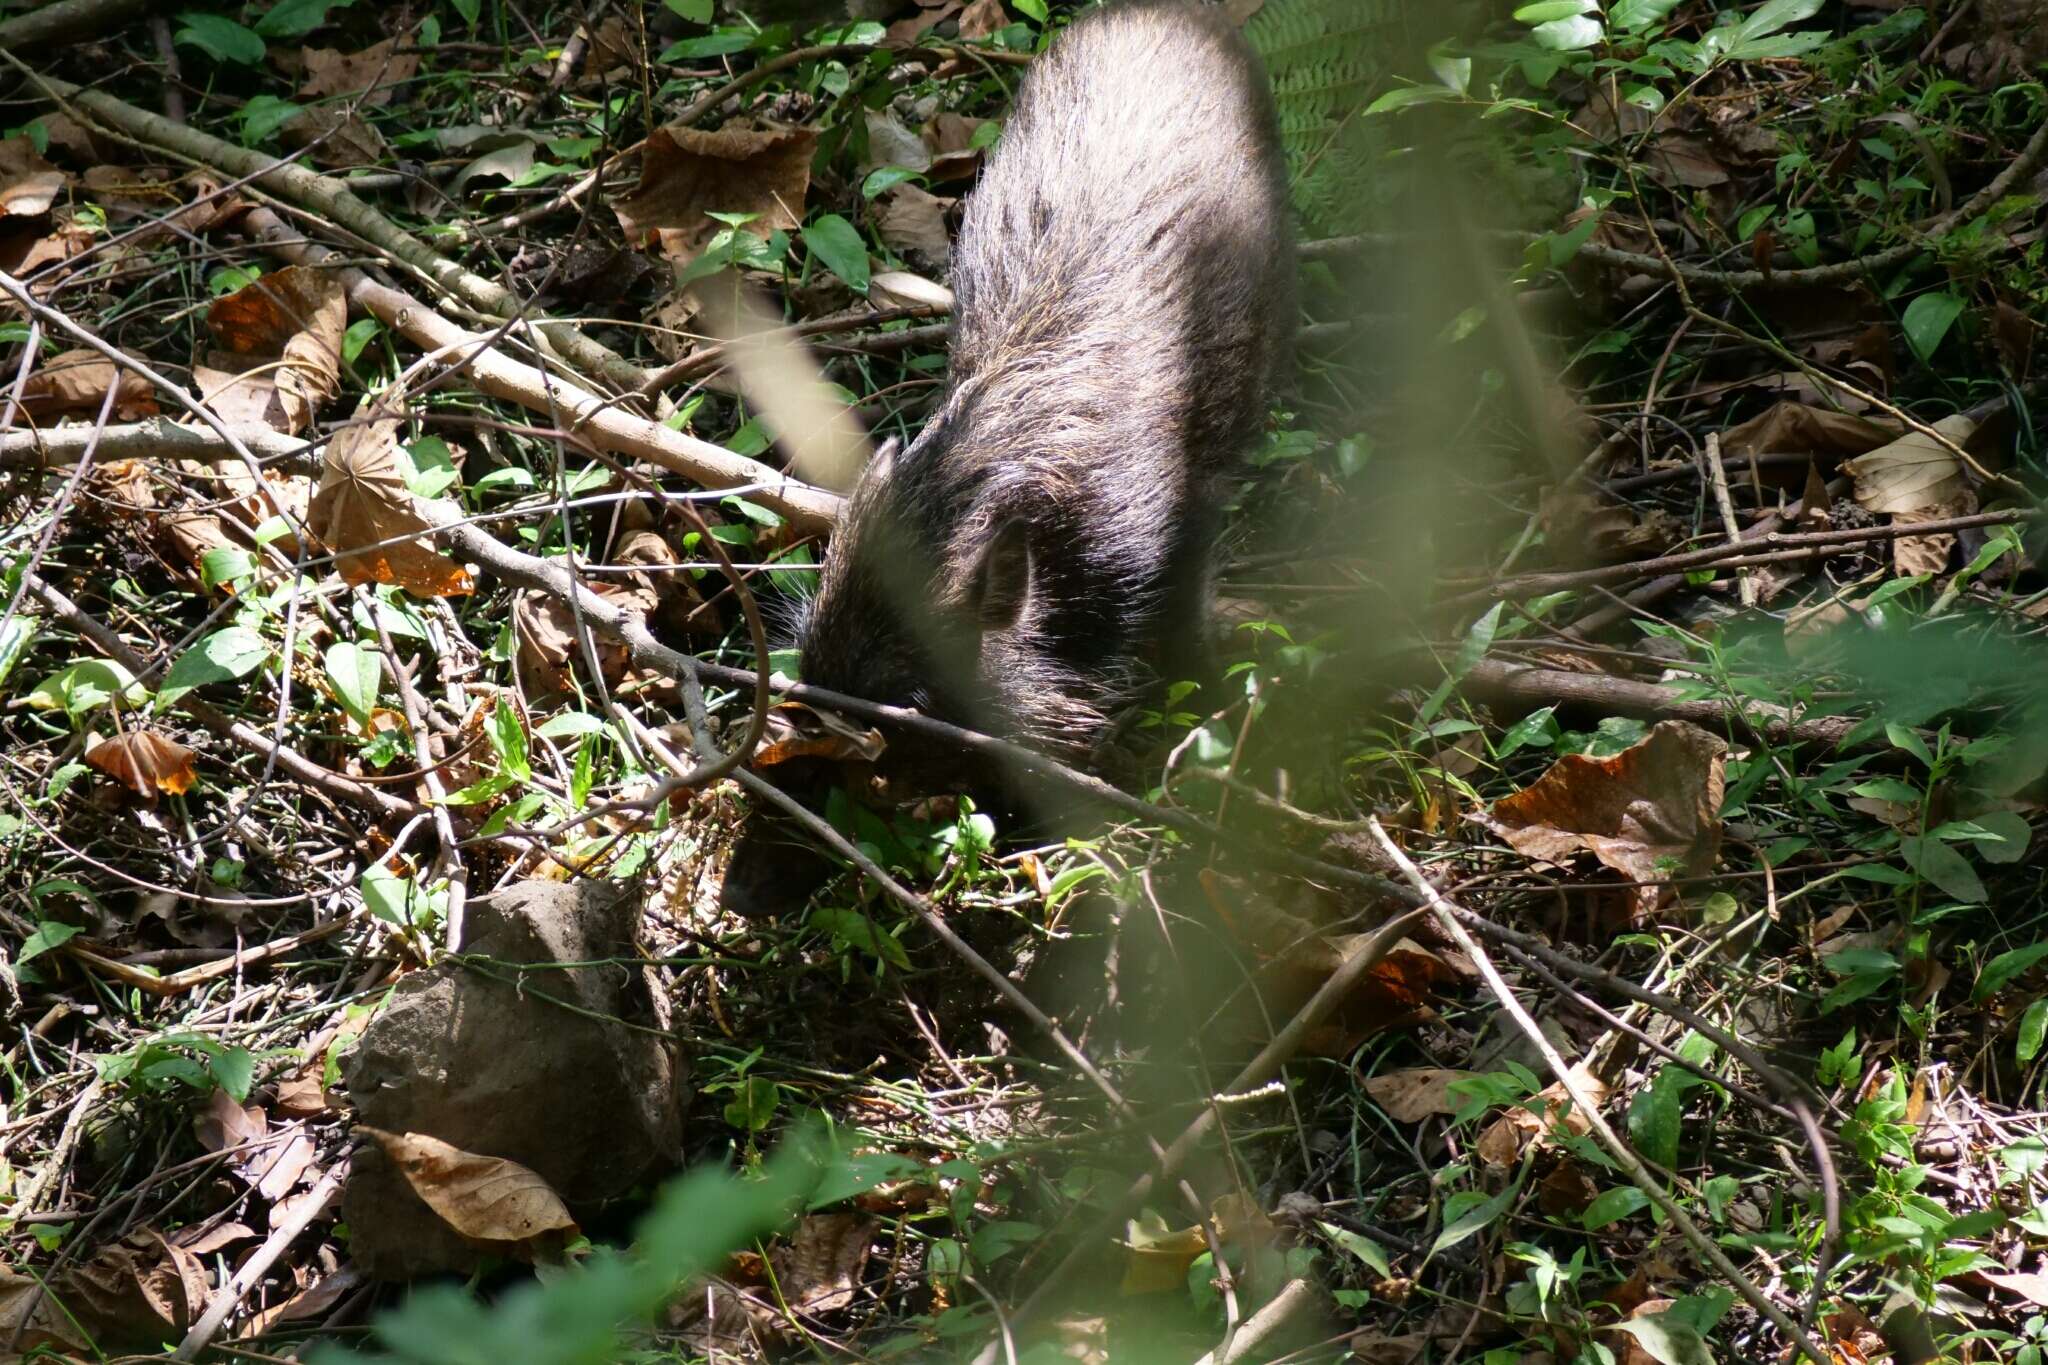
1124, 279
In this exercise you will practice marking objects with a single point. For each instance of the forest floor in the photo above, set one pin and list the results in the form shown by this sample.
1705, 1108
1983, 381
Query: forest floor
1597, 916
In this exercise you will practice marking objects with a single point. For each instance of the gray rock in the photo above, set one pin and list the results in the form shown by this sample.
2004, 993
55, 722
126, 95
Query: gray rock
553, 1069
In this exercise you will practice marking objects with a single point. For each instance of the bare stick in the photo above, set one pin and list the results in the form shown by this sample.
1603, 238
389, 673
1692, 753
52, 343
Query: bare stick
311, 1206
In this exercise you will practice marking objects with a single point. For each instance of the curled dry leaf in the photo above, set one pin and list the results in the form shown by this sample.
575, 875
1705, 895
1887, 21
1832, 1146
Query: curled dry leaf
378, 69
223, 1123
797, 731
26, 248
820, 1267
914, 222
687, 174
982, 18
134, 1292
277, 353
1412, 1095
1652, 808
902, 289
1503, 1140
1795, 428
146, 763
489, 1200
74, 384
363, 511
29, 185
1914, 472
1566, 1192
337, 137
954, 153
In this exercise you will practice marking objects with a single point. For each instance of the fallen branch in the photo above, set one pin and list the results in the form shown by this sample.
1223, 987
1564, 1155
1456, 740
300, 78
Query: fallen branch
590, 417
330, 199
1499, 682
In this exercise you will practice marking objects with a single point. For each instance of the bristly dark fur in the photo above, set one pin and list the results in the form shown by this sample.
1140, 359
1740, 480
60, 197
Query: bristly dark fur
1124, 282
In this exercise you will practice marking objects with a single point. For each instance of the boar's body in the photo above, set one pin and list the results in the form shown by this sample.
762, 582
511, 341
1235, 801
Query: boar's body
1124, 286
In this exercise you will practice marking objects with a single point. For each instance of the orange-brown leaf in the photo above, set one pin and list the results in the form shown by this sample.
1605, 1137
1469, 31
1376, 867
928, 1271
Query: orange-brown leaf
363, 511
75, 383
487, 1199
146, 763
686, 174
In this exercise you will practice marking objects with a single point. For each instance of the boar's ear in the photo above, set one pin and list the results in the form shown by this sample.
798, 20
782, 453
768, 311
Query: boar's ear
1002, 578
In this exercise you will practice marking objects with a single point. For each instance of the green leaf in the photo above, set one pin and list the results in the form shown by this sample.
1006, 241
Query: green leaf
855, 930
264, 115
508, 738
882, 179
225, 564
837, 244
221, 657
1768, 18
2014, 834
1904, 738
433, 467
2033, 1028
469, 10
87, 684
1477, 641
1612, 1206
1568, 35
1034, 8
569, 725
1927, 320
296, 18
752, 1107
356, 674
1671, 1341
1639, 14
1402, 96
220, 38
696, 11
2005, 967
359, 334
1941, 864
1473, 1217
235, 1069
719, 44
1364, 1248
48, 934
1544, 11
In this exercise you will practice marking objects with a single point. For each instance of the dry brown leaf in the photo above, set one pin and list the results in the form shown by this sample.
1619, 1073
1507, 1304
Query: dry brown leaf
892, 143
279, 1171
1795, 428
1913, 472
1565, 1192
797, 731
905, 32
913, 221
1679, 159
1929, 554
687, 174
302, 1096
1377, 1348
1412, 1095
820, 1268
951, 138
136, 1291
329, 72
982, 18
145, 762
224, 1124
277, 353
27, 248
2031, 1285
337, 137
1645, 812
487, 1199
31, 1318
363, 511
902, 289
74, 384
1503, 1141
671, 320
29, 185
